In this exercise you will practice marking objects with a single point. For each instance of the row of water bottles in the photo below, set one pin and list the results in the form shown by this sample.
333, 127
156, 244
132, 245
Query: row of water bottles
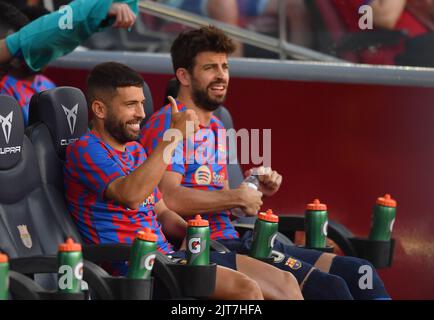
140, 265
143, 252
316, 223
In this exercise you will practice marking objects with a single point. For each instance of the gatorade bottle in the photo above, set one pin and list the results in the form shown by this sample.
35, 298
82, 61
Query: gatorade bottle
142, 255
383, 218
198, 241
70, 260
264, 234
4, 277
316, 224
252, 182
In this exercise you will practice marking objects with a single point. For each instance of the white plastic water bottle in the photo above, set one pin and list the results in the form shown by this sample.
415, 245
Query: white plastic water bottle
252, 182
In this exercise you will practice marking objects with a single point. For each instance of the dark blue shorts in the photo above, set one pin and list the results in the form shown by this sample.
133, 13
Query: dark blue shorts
298, 261
243, 245
227, 260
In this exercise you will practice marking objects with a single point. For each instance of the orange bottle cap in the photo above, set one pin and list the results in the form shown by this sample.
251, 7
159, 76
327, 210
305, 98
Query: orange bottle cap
69, 246
147, 235
268, 216
316, 206
3, 258
198, 222
386, 201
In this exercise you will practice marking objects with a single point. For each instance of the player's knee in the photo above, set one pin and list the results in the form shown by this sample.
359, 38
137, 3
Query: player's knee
337, 288
290, 290
248, 289
353, 263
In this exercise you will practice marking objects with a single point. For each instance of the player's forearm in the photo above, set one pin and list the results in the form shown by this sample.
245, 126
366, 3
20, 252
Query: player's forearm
189, 202
139, 184
5, 55
387, 12
174, 227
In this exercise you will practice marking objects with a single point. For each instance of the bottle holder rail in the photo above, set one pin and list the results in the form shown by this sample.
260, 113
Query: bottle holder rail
132, 289
379, 253
195, 281
62, 295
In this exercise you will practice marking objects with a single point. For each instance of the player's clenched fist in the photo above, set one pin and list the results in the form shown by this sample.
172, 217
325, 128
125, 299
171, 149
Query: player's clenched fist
250, 199
186, 121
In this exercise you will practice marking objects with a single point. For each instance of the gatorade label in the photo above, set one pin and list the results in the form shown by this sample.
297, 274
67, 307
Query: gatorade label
391, 225
272, 240
196, 246
324, 228
147, 261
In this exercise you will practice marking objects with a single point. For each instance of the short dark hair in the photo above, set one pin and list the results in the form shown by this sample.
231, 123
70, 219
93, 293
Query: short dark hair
189, 44
11, 19
106, 78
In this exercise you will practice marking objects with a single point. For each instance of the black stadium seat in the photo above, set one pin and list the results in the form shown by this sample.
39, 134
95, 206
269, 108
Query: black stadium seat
29, 234
22, 190
149, 103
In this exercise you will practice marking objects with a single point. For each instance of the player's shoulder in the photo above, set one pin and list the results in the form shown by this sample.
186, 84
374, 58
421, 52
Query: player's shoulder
161, 114
217, 122
136, 148
45, 82
86, 142
7, 81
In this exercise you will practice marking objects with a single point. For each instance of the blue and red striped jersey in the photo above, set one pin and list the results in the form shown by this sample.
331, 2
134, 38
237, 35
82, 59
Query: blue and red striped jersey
23, 90
201, 163
90, 166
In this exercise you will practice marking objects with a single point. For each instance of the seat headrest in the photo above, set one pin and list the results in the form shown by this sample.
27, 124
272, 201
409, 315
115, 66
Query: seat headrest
149, 103
11, 132
64, 111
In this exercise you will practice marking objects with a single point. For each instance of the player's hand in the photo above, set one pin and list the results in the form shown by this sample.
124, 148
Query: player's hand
125, 18
250, 200
270, 180
186, 121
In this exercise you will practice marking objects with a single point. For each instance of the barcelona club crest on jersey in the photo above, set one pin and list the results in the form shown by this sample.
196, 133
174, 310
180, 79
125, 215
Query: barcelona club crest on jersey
202, 176
25, 236
293, 263
149, 201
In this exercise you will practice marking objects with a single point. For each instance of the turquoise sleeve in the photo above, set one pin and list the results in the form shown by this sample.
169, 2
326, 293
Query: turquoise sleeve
43, 40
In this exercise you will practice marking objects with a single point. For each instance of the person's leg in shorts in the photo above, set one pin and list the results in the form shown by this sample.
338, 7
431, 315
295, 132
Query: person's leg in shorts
314, 284
348, 268
274, 284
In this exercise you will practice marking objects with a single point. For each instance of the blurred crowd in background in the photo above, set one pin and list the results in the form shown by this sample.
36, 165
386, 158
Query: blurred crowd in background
402, 32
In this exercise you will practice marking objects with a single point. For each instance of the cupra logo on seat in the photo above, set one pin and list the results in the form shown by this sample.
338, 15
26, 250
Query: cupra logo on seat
71, 116
6, 123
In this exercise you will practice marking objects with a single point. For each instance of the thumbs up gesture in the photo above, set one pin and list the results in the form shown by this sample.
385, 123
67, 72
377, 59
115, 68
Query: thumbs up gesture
184, 120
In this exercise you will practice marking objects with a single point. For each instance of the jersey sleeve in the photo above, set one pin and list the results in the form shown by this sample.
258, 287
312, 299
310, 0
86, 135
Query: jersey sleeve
93, 167
153, 133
